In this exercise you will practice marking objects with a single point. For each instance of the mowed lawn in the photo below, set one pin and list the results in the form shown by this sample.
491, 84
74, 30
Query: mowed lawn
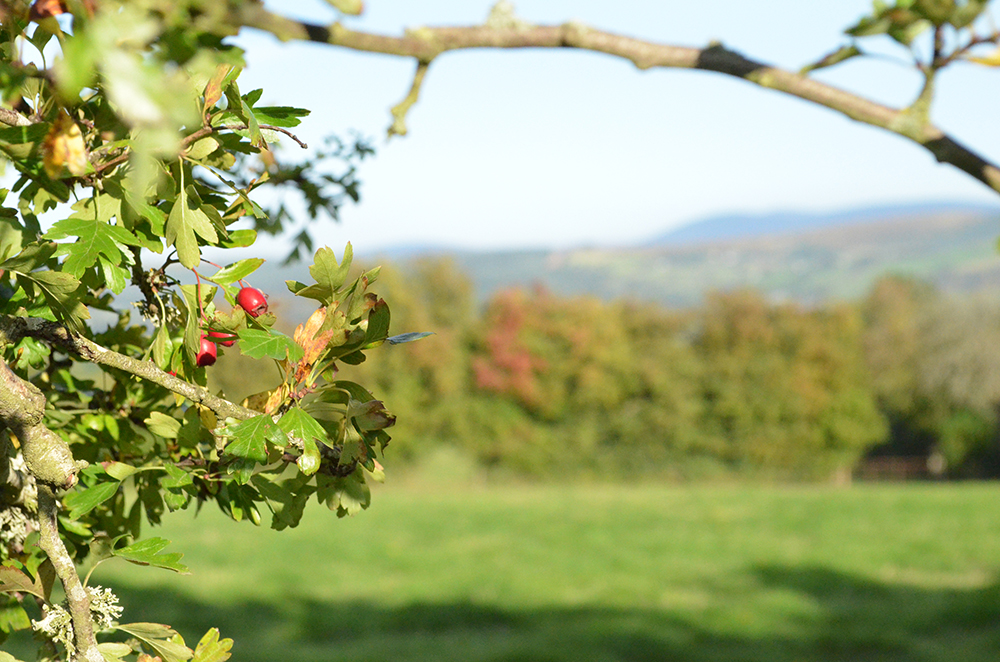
596, 573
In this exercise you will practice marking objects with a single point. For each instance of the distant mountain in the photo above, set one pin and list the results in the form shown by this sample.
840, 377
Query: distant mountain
803, 257
739, 226
953, 246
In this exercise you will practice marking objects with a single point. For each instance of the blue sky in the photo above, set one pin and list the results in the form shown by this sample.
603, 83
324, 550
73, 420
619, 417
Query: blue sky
558, 149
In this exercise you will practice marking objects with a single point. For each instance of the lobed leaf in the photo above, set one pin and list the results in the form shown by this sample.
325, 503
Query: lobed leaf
211, 648
82, 502
257, 344
147, 552
236, 271
160, 637
13, 580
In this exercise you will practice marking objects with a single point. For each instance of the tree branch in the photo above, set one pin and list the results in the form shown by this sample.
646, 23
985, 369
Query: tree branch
22, 411
14, 328
76, 594
425, 44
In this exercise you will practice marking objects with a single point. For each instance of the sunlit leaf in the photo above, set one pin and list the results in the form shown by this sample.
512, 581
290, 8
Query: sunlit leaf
82, 502
184, 225
211, 648
257, 344
147, 552
236, 271
95, 238
161, 638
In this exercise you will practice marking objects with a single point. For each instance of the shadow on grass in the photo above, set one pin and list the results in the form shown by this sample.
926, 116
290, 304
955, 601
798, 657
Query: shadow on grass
852, 619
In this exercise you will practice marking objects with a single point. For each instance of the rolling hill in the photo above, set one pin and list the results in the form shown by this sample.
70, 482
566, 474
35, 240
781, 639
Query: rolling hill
800, 256
815, 258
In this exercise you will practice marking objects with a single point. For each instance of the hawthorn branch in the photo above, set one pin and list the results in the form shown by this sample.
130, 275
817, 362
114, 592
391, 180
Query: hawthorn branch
76, 595
14, 328
22, 411
426, 43
13, 118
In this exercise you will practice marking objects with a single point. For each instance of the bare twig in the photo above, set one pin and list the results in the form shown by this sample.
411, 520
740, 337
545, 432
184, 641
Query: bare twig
425, 44
399, 111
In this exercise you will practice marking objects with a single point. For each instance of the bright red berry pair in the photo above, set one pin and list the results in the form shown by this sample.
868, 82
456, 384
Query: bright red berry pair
251, 300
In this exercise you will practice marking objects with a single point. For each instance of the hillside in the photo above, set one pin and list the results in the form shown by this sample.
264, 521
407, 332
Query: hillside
955, 249
803, 257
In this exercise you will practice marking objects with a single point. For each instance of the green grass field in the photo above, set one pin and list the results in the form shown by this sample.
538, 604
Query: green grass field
775, 574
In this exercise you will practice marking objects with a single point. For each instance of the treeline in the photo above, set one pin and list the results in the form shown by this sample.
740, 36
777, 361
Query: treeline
539, 385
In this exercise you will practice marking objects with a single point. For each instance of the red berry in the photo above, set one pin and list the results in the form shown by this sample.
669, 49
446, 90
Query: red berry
224, 338
206, 353
252, 300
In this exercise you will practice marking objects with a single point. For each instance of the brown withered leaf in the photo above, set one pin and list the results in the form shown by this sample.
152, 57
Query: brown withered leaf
277, 396
313, 343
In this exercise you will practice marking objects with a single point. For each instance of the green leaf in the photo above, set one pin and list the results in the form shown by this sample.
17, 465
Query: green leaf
202, 148
257, 344
327, 272
12, 618
378, 324
298, 424
211, 648
30, 258
249, 444
183, 224
60, 292
95, 238
147, 552
162, 425
342, 391
162, 348
81, 503
160, 637
116, 277
239, 239
192, 325
283, 116
348, 495
370, 415
256, 139
286, 500
119, 471
114, 651
236, 271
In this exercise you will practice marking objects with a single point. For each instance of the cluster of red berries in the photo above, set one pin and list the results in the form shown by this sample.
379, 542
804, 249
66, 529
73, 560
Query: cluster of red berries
253, 302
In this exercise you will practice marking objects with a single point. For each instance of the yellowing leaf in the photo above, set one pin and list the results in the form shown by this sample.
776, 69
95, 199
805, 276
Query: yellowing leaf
63, 148
211, 648
991, 60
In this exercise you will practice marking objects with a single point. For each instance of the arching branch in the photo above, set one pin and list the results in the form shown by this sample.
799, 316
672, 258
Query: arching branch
426, 43
15, 328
